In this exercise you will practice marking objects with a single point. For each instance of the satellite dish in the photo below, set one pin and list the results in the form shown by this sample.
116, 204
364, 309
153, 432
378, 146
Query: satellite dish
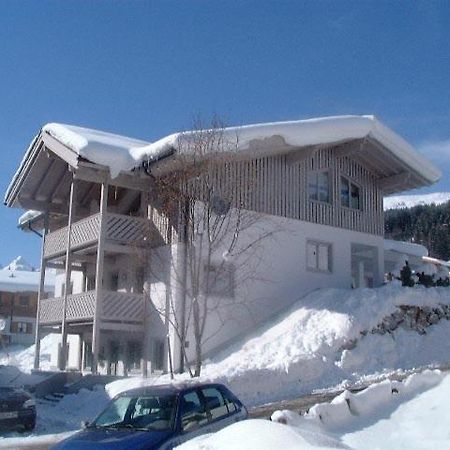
2, 324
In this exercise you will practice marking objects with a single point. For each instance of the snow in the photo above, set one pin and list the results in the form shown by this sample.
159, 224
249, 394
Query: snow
303, 133
28, 216
413, 414
262, 434
107, 149
324, 341
310, 346
407, 248
409, 201
123, 153
388, 415
18, 358
19, 276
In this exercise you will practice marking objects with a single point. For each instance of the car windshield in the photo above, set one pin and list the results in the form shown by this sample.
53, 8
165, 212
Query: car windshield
140, 412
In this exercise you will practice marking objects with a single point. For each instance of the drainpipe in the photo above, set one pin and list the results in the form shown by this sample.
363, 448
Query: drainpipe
33, 230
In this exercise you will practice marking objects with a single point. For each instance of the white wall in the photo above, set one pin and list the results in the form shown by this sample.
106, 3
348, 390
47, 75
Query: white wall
276, 275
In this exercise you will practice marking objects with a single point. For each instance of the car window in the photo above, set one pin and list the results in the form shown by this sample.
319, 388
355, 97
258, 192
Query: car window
153, 412
229, 401
192, 412
215, 403
114, 413
150, 412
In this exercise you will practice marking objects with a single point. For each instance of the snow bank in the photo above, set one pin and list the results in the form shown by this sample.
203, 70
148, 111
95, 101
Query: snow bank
357, 419
331, 337
327, 424
22, 358
262, 434
342, 410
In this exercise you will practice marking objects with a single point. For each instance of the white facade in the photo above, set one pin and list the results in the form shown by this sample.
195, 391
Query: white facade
275, 276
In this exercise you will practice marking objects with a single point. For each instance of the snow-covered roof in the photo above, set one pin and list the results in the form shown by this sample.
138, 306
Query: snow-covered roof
436, 261
406, 248
112, 150
305, 133
122, 153
19, 279
28, 217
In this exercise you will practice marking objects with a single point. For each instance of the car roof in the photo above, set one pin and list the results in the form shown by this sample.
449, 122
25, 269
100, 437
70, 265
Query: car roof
167, 389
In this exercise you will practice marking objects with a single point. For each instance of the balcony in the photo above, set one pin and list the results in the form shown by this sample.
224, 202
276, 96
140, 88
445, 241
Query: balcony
116, 307
119, 229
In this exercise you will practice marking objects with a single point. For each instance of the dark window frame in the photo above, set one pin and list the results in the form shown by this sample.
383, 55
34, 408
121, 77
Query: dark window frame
350, 186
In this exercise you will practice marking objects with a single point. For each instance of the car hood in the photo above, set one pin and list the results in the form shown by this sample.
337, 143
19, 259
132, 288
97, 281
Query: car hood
96, 439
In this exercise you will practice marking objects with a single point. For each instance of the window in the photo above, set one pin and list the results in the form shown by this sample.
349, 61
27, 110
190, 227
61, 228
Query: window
350, 194
114, 281
24, 301
319, 186
215, 403
22, 327
63, 288
193, 413
229, 401
158, 354
318, 256
220, 280
90, 282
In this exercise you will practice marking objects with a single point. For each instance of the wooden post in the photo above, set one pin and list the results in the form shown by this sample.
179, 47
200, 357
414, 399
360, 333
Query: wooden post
99, 278
83, 353
145, 205
62, 361
41, 293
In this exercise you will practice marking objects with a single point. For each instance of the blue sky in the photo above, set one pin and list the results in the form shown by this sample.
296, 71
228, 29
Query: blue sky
146, 68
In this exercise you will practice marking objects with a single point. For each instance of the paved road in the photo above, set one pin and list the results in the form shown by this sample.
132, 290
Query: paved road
303, 403
300, 404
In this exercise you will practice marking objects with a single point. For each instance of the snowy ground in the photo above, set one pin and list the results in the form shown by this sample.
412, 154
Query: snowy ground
389, 415
331, 338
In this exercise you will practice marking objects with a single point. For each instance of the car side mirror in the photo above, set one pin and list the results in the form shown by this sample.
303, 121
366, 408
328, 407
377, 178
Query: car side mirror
84, 424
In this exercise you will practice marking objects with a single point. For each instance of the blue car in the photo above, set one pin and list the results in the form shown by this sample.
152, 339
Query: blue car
158, 417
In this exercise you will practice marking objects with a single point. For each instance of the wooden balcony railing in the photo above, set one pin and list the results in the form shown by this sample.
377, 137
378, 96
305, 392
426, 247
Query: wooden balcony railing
119, 229
116, 306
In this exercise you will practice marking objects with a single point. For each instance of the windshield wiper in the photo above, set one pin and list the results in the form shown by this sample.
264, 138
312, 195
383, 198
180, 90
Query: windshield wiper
118, 426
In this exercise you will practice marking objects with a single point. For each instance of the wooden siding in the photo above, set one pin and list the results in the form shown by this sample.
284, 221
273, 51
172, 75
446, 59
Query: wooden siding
275, 185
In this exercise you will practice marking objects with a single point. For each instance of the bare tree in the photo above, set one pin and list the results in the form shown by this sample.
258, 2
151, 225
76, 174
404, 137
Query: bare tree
205, 199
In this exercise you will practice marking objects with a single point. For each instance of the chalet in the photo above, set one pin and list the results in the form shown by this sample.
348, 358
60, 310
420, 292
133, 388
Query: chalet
19, 286
127, 282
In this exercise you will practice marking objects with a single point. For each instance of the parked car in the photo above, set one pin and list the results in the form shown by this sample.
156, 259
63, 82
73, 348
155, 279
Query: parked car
17, 409
159, 417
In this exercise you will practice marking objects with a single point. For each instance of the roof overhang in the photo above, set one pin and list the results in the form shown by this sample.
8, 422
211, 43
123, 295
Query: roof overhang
61, 153
395, 163
42, 181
